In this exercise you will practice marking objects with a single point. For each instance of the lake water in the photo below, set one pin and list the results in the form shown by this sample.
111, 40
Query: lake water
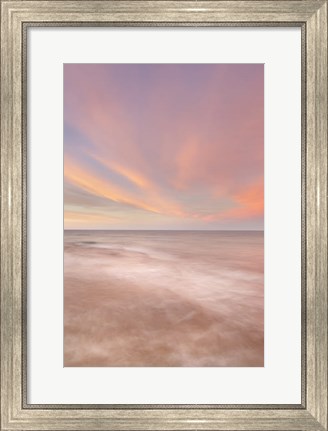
164, 298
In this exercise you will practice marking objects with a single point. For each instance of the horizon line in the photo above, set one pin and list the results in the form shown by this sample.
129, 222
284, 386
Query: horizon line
170, 230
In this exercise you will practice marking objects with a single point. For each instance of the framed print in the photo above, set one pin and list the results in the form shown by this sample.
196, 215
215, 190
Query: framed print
137, 219
164, 215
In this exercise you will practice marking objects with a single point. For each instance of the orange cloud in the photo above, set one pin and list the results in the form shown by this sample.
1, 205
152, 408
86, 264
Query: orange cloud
132, 175
252, 198
96, 186
249, 203
89, 182
150, 189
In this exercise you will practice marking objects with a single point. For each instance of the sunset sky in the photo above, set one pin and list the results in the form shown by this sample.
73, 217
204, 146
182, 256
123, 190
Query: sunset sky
163, 146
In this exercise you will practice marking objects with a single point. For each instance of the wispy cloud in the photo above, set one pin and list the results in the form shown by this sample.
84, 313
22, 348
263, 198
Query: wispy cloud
184, 142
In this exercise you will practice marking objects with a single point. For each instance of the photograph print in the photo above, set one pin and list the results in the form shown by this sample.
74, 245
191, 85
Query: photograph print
163, 215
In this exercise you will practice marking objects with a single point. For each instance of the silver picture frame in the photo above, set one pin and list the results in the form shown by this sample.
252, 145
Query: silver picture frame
16, 18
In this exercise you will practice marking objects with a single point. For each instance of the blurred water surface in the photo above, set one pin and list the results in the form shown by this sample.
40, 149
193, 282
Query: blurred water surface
164, 298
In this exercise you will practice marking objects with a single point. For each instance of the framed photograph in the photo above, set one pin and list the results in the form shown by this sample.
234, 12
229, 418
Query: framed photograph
164, 215
158, 227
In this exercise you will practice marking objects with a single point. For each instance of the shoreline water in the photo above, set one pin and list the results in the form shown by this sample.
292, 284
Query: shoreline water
164, 298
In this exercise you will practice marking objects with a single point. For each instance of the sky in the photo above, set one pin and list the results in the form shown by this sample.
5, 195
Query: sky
164, 146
